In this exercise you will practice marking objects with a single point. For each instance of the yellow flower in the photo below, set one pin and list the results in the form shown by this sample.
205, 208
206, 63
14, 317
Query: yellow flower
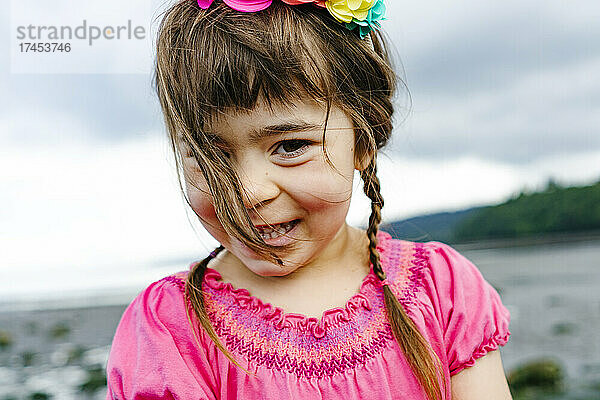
345, 10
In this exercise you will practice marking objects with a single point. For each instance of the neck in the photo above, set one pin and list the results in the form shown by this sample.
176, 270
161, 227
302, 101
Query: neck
348, 249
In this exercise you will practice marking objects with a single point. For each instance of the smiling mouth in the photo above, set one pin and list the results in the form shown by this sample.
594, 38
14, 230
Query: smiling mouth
276, 230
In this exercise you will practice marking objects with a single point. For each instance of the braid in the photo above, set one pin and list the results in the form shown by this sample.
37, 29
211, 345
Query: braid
372, 190
194, 295
424, 362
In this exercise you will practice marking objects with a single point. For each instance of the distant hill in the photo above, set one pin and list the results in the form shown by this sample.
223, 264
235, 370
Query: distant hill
555, 211
439, 226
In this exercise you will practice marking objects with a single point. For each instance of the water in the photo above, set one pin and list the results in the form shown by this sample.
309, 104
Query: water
553, 295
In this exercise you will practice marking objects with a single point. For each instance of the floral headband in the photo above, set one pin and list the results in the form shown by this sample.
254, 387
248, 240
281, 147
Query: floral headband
362, 14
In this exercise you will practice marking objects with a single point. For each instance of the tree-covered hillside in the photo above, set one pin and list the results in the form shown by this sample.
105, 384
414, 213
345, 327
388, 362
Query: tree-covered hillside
554, 210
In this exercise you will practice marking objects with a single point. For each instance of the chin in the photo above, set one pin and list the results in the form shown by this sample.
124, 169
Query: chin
266, 268
260, 266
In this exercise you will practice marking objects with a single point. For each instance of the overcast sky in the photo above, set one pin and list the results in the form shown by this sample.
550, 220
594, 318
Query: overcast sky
505, 95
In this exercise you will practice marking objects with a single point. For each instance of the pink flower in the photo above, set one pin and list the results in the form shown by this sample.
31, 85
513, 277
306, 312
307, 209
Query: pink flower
320, 3
257, 5
204, 4
240, 5
248, 5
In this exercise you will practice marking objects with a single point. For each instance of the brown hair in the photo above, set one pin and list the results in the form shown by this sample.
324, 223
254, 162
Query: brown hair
220, 60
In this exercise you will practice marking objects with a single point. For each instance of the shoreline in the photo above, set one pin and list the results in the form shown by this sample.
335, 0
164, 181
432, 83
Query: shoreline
122, 297
74, 303
537, 240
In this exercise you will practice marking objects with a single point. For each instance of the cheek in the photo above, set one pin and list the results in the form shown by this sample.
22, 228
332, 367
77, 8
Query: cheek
202, 204
320, 187
201, 200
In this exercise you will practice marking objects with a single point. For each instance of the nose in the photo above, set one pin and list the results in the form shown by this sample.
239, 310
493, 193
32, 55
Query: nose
259, 187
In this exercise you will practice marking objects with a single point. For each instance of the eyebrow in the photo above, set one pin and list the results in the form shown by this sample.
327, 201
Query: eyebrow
280, 129
256, 136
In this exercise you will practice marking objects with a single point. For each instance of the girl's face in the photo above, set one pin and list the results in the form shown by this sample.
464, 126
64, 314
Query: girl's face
286, 177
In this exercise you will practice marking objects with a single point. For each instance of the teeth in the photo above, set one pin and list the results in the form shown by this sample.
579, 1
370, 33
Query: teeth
270, 233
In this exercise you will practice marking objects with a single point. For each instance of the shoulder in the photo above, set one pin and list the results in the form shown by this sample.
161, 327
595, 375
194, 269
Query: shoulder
411, 266
168, 288
160, 305
174, 282
156, 317
155, 345
447, 296
434, 278
402, 253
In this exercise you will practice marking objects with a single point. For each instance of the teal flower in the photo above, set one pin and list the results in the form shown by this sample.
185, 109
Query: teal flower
376, 14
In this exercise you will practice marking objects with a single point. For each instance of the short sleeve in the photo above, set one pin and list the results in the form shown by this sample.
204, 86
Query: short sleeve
469, 310
149, 356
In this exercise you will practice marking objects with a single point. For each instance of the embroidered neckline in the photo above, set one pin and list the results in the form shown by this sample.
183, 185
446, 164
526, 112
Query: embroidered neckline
305, 346
318, 327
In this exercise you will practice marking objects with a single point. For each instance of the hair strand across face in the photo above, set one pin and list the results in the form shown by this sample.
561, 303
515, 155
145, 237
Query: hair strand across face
217, 61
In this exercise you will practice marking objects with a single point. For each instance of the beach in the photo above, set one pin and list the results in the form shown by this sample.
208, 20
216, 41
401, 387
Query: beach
56, 353
49, 351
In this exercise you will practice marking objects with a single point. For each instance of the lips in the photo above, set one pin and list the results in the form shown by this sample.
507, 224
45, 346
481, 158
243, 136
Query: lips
267, 227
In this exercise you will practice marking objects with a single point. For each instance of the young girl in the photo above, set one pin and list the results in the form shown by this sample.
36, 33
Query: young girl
271, 105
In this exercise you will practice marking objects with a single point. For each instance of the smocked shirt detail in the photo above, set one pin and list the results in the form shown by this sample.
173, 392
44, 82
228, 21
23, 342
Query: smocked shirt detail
349, 352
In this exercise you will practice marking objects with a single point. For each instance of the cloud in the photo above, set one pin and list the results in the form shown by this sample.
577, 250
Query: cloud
81, 204
114, 106
451, 48
538, 115
509, 82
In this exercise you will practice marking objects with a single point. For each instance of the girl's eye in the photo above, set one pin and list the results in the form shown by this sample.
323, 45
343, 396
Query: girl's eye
292, 148
225, 153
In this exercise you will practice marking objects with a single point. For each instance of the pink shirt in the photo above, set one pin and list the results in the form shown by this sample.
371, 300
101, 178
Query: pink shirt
349, 353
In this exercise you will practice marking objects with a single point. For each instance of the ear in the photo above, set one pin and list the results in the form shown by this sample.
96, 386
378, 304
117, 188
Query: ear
361, 161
